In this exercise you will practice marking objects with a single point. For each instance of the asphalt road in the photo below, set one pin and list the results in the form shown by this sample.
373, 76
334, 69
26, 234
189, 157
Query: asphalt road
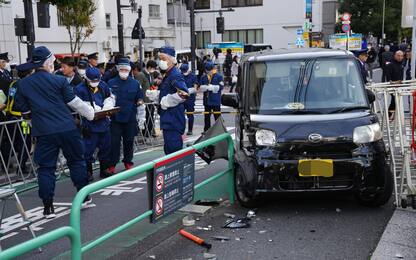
351, 233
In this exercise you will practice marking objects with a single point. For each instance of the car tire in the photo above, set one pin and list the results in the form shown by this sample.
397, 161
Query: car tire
246, 198
381, 197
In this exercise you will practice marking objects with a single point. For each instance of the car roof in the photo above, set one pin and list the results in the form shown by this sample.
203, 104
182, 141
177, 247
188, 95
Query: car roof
299, 53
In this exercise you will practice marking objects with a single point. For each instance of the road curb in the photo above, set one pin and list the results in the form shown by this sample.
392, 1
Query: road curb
399, 237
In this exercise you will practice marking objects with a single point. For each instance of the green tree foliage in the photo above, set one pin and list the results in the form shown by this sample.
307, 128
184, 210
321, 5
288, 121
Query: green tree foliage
77, 17
367, 17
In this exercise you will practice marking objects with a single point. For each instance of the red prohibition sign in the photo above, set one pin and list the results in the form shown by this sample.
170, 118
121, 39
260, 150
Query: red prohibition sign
159, 182
159, 206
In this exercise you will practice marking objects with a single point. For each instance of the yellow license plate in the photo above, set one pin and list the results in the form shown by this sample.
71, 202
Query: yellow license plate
316, 168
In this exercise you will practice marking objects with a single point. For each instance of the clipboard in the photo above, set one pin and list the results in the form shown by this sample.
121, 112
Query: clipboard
107, 112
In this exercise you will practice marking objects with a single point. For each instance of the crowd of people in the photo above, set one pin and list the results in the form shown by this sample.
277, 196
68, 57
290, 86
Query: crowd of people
394, 61
63, 101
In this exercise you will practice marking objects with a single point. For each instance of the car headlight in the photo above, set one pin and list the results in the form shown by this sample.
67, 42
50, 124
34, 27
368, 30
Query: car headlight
367, 134
265, 137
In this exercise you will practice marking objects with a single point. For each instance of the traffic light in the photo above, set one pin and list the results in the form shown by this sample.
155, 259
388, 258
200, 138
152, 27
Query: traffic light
43, 15
135, 34
220, 25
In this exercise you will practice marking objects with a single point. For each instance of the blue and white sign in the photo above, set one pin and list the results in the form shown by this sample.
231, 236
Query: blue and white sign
300, 42
299, 32
308, 9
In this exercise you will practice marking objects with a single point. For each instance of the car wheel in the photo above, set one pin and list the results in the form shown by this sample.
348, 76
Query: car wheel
382, 194
245, 197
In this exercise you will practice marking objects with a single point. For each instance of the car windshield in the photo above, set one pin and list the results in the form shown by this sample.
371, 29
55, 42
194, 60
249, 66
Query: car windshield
329, 85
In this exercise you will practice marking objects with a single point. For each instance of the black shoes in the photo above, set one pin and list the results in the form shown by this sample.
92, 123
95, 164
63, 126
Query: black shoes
189, 133
48, 210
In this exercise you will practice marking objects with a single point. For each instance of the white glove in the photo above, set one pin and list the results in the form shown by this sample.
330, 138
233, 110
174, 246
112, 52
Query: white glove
213, 88
141, 116
203, 88
109, 102
83, 109
153, 95
192, 90
170, 100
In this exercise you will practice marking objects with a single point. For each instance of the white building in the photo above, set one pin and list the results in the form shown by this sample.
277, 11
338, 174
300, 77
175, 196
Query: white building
167, 22
272, 22
103, 40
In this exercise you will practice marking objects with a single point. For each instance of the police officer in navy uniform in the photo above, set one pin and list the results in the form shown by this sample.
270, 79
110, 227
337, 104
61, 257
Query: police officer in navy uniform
96, 134
362, 56
192, 85
82, 68
212, 84
46, 98
128, 95
5, 80
173, 92
93, 59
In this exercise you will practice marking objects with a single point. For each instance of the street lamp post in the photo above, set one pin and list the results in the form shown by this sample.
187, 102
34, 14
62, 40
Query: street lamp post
384, 18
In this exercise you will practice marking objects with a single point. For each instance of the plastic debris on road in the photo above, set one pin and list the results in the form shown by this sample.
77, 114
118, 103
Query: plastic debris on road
207, 228
338, 210
188, 221
220, 238
210, 256
251, 213
399, 256
237, 223
262, 231
152, 256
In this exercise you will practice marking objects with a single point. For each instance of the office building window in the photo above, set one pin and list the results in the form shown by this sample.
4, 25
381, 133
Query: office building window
108, 21
60, 16
202, 39
202, 4
240, 3
245, 36
154, 11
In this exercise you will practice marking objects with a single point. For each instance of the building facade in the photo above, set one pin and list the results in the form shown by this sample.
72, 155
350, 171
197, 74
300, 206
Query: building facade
273, 22
166, 22
104, 39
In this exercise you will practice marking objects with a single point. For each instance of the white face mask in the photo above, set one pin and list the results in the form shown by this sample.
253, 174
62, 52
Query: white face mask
186, 73
81, 72
94, 84
123, 75
151, 71
163, 65
7, 66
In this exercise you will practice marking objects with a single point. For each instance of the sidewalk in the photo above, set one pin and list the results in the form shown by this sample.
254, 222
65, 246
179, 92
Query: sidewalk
399, 238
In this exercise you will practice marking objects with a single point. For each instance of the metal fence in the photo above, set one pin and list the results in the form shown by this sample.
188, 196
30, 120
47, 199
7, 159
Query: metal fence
17, 167
73, 231
398, 127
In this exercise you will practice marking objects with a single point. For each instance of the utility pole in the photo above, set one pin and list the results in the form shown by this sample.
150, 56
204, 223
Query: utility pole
139, 11
30, 27
120, 34
193, 40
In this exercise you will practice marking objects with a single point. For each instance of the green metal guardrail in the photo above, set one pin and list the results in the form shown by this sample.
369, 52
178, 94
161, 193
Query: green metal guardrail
73, 231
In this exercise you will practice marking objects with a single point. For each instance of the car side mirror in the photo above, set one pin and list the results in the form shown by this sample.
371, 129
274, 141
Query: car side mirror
371, 96
230, 100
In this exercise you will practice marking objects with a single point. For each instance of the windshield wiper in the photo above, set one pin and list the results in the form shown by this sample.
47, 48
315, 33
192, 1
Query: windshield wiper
345, 109
302, 112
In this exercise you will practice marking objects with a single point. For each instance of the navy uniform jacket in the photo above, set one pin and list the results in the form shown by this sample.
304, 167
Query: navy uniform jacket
46, 96
211, 98
190, 80
174, 117
127, 92
102, 92
364, 73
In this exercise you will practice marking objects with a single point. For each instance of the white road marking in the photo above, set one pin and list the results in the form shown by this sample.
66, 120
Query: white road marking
35, 215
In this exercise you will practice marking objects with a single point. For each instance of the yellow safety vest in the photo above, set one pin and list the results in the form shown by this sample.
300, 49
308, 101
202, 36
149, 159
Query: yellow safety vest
10, 101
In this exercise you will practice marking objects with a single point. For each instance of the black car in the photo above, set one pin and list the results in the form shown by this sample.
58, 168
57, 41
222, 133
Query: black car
304, 124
